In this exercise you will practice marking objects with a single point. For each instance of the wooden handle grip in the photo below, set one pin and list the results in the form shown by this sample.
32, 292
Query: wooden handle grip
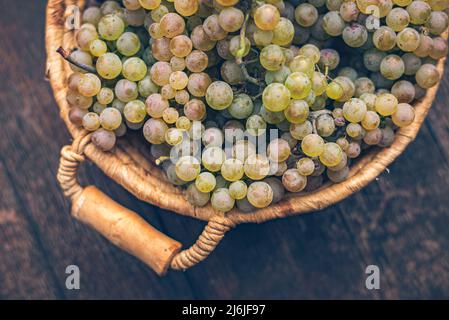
125, 228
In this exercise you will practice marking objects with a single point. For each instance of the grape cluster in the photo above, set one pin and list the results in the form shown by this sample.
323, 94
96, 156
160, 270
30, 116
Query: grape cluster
244, 101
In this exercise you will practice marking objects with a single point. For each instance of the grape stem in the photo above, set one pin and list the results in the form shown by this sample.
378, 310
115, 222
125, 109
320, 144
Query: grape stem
161, 159
66, 55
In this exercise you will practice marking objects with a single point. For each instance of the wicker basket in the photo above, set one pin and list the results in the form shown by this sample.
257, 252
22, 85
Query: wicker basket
128, 165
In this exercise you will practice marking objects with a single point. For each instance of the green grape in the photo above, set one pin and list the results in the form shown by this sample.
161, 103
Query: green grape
299, 85
301, 130
334, 90
325, 125
103, 139
92, 15
170, 115
439, 48
238, 190
159, 12
310, 51
257, 166
89, 85
338, 175
155, 105
111, 27
134, 111
333, 24
305, 166
263, 38
278, 150
373, 137
363, 85
231, 19
297, 111
213, 29
260, 194
150, 4
306, 15
369, 99
355, 131
178, 80
134, 69
188, 168
386, 104
241, 107
398, 19
147, 87
404, 91
349, 11
404, 115
267, 17
438, 5
437, 22
293, 181
271, 117
355, 35
242, 149
183, 123
110, 119
109, 66
256, 125
160, 73
128, 44
284, 32
419, 12
302, 64
126, 90
213, 158
276, 97
174, 136
402, 3
219, 95
372, 59
277, 76
91, 121
221, 199
319, 83
232, 73
213, 137
98, 107
232, 170
235, 48
427, 76
105, 96
371, 120
384, 38
196, 197
272, 57
348, 88
392, 67
205, 182
329, 58
408, 40
343, 163
85, 36
98, 48
312, 145
332, 154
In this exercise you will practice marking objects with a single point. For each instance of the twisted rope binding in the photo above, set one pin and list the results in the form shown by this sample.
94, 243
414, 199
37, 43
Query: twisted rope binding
71, 157
206, 243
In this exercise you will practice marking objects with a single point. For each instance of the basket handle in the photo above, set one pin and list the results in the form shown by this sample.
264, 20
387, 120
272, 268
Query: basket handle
125, 228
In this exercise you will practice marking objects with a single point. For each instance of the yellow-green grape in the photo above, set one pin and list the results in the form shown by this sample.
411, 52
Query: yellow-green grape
103, 139
427, 76
267, 17
354, 130
263, 38
305, 166
404, 115
219, 95
312, 145
297, 111
386, 104
170, 115
348, 88
398, 19
242, 106
187, 168
299, 85
178, 80
154, 131
242, 149
186, 8
301, 130
167, 92
91, 121
213, 29
334, 90
438, 5
354, 110
160, 73
408, 40
172, 25
111, 27
205, 182
183, 123
174, 136
319, 83
236, 49
278, 76
105, 96
181, 46
293, 181
155, 105
371, 120
110, 119
384, 38
370, 100
260, 194
195, 110
128, 44
89, 85
365, 6
278, 150
272, 57
134, 69
419, 12
213, 158
402, 3
193, 195
373, 137
159, 12
197, 61
134, 111
150, 4
310, 51
284, 32
126, 90
276, 97
221, 200
231, 19
109, 66
147, 87
238, 190
333, 23
155, 30
306, 15
98, 107
232, 169
98, 48
302, 64
257, 166
85, 36
177, 64
182, 97
332, 154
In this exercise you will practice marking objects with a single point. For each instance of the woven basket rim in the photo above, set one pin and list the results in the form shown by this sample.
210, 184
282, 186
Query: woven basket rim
128, 167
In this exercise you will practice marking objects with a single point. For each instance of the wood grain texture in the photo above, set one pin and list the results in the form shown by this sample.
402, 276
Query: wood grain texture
398, 222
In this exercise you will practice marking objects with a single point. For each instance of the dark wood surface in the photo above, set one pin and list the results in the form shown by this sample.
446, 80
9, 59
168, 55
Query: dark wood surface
399, 222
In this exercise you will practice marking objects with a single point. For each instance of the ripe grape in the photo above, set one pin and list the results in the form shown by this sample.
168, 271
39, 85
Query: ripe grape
213, 29
299, 131
333, 23
293, 181
103, 139
329, 58
134, 69
241, 107
196, 197
306, 15
272, 57
302, 64
419, 12
437, 22
111, 27
276, 97
181, 46
172, 25
384, 38
404, 91
325, 125
371, 120
297, 83
195, 110
408, 40
109, 66
126, 90
205, 182
128, 44
221, 199
197, 61
297, 111
231, 73
200, 39
439, 48
89, 85
170, 115
232, 169
386, 104
404, 115
355, 35
231, 19
150, 4
392, 67
312, 145
91, 121
134, 111
155, 105
160, 73
219, 95
198, 84
332, 154
337, 176
213, 158
284, 32
349, 11
267, 17
260, 194
98, 48
427, 76
398, 19
373, 137
110, 119
256, 166
334, 90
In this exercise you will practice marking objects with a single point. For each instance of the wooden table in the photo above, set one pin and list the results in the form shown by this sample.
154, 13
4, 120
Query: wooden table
399, 222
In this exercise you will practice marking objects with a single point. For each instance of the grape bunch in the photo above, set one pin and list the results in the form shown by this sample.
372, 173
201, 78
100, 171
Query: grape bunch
242, 102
